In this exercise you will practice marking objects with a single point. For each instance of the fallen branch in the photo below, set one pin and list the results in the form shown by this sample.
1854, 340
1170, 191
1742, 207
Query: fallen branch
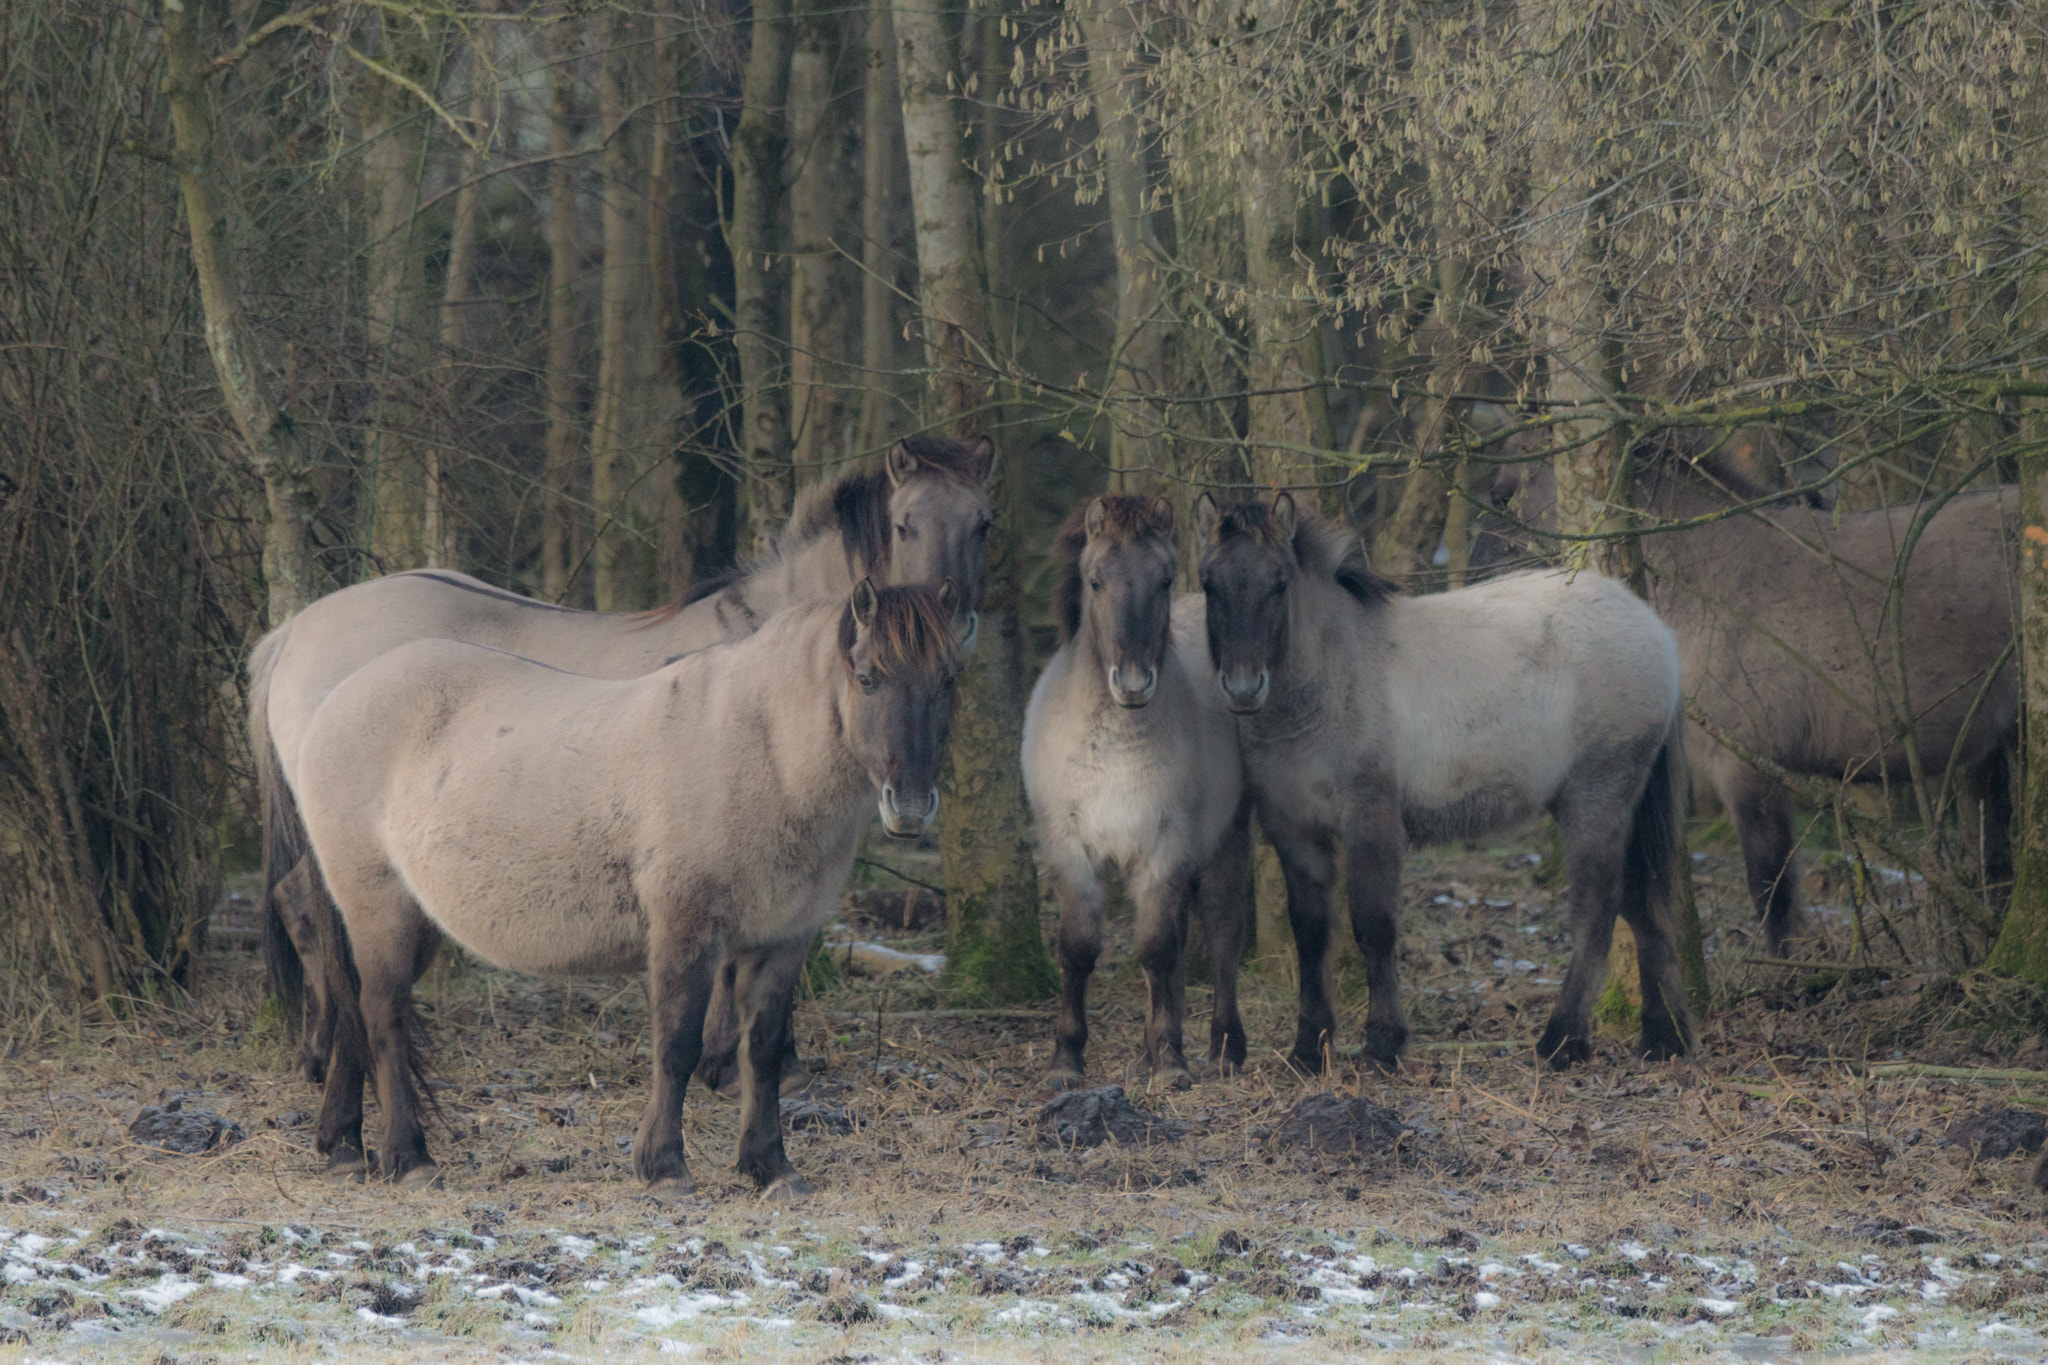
859, 1016
1954, 1073
1805, 966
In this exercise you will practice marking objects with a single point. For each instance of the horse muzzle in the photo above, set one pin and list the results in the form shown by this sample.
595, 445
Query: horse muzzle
1127, 695
1243, 693
906, 822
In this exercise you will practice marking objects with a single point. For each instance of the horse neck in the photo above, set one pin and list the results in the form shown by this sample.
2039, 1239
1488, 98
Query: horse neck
790, 671
811, 572
1312, 601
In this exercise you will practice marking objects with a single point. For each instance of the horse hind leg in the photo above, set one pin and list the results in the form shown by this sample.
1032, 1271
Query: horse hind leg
1080, 944
679, 985
1162, 901
1223, 896
1594, 855
718, 1066
299, 902
390, 939
764, 988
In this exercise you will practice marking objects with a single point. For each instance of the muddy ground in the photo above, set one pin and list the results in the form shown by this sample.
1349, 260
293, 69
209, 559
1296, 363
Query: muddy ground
1778, 1198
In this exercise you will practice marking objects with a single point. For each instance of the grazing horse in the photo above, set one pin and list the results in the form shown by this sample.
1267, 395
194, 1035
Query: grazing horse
563, 825
1794, 641
1367, 718
924, 519
1130, 759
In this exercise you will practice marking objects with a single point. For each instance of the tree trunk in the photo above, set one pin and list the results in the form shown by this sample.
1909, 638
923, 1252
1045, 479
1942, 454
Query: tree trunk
1594, 471
1406, 546
279, 453
1290, 413
881, 158
615, 437
394, 149
994, 947
1136, 453
457, 284
676, 541
759, 308
819, 207
559, 552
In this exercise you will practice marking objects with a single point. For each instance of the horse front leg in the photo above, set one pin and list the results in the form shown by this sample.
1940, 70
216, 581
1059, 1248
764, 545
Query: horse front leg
679, 986
1372, 883
1310, 866
1223, 897
764, 988
718, 1066
1079, 893
1162, 899
1762, 814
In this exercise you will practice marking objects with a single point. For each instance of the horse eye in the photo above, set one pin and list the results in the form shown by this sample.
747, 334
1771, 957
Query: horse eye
903, 530
1095, 585
983, 529
948, 684
868, 682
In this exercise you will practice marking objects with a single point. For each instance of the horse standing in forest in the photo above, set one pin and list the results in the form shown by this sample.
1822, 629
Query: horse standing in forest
1130, 760
1367, 718
1849, 650
563, 825
924, 519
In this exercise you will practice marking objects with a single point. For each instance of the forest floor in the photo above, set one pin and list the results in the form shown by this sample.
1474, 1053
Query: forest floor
1780, 1197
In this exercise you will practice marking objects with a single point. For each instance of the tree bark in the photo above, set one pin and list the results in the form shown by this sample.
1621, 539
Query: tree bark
995, 949
615, 437
394, 149
559, 552
457, 283
819, 207
278, 452
759, 306
881, 160
1137, 444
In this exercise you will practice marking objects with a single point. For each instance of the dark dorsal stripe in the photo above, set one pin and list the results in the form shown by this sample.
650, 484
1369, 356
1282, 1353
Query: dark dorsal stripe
486, 590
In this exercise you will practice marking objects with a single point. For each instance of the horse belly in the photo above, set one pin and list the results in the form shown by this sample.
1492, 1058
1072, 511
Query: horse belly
1130, 812
528, 918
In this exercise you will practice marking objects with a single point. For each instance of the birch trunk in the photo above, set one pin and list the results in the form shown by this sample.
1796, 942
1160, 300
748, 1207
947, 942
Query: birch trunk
759, 308
277, 451
819, 207
881, 160
1137, 445
394, 140
994, 947
559, 554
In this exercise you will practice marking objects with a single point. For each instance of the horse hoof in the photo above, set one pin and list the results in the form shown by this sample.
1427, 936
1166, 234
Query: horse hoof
1174, 1079
427, 1177
1562, 1050
1306, 1065
671, 1188
786, 1188
797, 1079
1061, 1081
350, 1170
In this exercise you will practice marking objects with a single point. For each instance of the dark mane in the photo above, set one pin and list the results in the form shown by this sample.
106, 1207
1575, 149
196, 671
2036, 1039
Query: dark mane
1126, 517
1318, 547
912, 631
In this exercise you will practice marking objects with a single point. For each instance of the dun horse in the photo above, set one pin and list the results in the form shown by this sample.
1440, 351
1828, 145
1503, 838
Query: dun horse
1845, 651
1130, 759
1368, 717
564, 825
925, 519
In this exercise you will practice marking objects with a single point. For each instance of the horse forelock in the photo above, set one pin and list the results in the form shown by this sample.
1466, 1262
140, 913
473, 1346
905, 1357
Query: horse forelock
911, 632
1125, 517
1319, 547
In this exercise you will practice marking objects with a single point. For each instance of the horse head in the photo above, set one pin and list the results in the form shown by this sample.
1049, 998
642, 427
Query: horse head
940, 519
1117, 587
1248, 563
901, 647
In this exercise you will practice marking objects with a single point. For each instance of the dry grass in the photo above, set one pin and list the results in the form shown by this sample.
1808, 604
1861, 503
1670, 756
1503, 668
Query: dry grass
1768, 1200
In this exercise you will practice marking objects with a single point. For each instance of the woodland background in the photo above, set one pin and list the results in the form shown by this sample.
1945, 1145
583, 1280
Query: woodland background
575, 296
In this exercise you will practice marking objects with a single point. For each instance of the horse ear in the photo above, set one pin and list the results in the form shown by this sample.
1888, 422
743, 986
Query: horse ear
1162, 516
983, 452
1095, 518
1208, 516
900, 463
949, 596
1284, 516
866, 601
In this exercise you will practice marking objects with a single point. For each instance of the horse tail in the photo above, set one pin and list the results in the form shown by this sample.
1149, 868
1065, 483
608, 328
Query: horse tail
285, 843
1650, 881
